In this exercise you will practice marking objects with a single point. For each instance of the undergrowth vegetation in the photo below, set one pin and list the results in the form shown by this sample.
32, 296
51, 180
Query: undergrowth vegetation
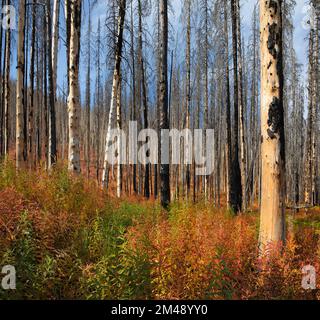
69, 240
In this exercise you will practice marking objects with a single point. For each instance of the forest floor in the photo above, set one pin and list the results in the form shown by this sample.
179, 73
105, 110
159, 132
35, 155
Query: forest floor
69, 240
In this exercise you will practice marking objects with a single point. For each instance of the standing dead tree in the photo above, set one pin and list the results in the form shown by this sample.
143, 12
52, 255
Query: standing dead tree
164, 121
74, 99
115, 87
272, 223
20, 107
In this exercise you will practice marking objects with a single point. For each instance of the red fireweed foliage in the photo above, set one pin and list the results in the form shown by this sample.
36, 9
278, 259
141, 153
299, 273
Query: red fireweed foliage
206, 253
72, 240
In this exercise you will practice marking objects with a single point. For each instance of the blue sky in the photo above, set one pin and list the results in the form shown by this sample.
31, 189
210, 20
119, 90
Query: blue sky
300, 33
99, 12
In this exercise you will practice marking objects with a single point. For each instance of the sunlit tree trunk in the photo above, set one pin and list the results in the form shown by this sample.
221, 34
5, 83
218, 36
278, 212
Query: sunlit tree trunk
73, 99
241, 111
119, 142
272, 224
115, 85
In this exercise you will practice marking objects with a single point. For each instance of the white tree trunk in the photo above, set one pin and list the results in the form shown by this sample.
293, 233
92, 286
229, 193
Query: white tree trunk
115, 87
119, 146
73, 99
241, 113
272, 224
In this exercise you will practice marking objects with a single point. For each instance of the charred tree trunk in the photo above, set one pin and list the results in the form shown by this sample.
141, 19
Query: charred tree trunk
73, 99
31, 149
228, 112
164, 122
188, 92
241, 111
236, 187
144, 101
88, 97
115, 85
6, 89
133, 115
98, 103
52, 156
20, 108
272, 224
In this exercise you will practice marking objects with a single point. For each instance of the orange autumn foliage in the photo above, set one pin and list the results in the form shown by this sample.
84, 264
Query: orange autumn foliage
70, 240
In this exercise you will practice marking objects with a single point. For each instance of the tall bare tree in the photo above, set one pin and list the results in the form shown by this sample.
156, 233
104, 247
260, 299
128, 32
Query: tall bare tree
188, 88
31, 149
310, 171
20, 109
236, 185
115, 85
229, 172
272, 224
55, 43
1, 85
67, 13
6, 89
144, 99
88, 94
164, 121
52, 156
74, 99
241, 104
133, 111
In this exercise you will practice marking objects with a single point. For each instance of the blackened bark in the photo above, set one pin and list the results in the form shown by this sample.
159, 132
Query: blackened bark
164, 122
236, 188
